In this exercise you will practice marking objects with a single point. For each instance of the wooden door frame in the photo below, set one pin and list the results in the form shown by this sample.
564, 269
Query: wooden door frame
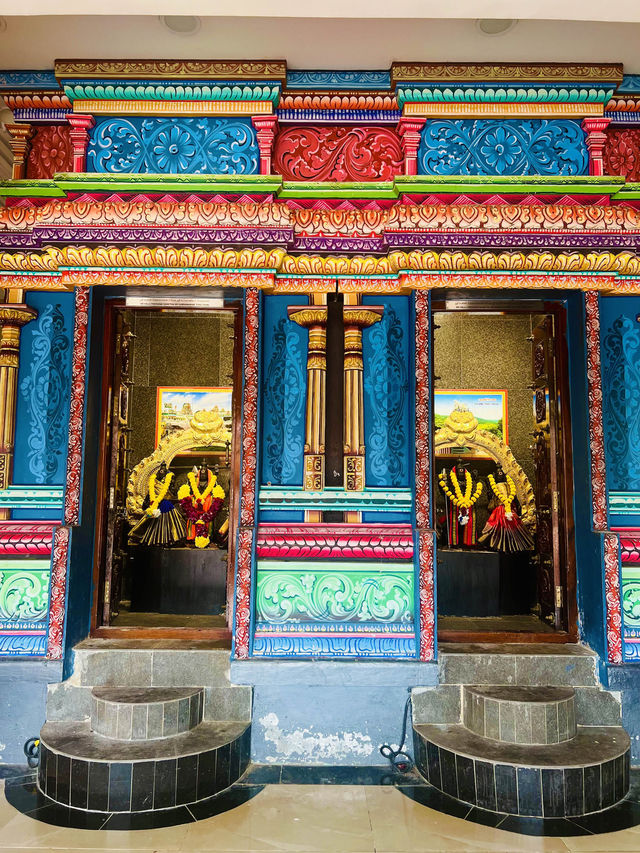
473, 305
131, 632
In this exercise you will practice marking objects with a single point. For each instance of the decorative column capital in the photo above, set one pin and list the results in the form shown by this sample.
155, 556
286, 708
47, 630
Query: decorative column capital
266, 129
410, 133
19, 134
80, 126
16, 315
595, 127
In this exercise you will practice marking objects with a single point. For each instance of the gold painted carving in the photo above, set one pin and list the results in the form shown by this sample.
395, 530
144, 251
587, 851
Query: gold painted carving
16, 315
503, 109
312, 316
206, 429
195, 69
406, 72
461, 430
182, 108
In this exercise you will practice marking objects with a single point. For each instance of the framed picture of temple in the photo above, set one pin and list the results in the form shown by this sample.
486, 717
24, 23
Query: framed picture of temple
175, 406
488, 407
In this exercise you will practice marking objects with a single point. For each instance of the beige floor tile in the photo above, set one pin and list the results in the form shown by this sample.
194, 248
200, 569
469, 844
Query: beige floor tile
609, 842
401, 825
290, 818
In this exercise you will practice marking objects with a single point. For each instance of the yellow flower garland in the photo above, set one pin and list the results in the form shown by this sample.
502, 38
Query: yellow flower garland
158, 497
465, 501
505, 501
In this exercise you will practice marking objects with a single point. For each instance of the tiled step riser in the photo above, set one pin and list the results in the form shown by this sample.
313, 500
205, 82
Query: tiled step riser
141, 785
518, 670
146, 721
149, 667
525, 791
519, 722
67, 701
593, 706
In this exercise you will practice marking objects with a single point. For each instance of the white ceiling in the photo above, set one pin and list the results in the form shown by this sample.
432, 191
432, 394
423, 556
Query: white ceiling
322, 42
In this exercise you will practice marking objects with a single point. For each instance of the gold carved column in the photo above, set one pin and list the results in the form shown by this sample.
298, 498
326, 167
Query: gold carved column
14, 314
356, 318
314, 318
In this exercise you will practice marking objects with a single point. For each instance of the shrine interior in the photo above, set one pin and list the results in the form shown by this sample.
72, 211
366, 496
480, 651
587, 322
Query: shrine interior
499, 528
165, 549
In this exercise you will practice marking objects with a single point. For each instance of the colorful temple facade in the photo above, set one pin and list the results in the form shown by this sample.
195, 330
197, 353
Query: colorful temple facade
343, 309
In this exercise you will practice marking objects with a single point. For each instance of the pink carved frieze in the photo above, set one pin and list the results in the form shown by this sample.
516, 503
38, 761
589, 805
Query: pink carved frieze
612, 598
309, 542
243, 593
622, 152
337, 153
422, 436
426, 582
50, 151
57, 594
26, 538
76, 412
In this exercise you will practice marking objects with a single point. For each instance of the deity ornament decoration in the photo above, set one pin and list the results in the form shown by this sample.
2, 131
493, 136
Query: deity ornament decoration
201, 507
504, 531
162, 523
461, 506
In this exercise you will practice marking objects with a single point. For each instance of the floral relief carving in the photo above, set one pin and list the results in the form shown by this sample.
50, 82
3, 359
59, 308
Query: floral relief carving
622, 153
490, 147
337, 153
50, 152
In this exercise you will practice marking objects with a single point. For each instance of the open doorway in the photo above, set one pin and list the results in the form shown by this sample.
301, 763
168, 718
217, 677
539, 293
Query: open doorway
169, 474
503, 481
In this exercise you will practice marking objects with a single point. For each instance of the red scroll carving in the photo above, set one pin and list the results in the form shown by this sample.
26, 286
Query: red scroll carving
622, 153
51, 152
338, 153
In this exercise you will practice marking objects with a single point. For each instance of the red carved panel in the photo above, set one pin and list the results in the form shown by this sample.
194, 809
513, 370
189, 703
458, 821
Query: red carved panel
423, 436
250, 408
76, 410
596, 432
622, 153
337, 153
612, 597
629, 544
57, 595
387, 542
50, 151
26, 538
427, 599
243, 594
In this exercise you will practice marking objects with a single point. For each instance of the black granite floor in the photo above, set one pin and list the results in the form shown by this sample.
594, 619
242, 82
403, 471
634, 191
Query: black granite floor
22, 793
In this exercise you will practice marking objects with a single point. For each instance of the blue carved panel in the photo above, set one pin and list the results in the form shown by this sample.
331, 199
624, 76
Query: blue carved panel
176, 146
620, 340
513, 147
44, 378
284, 393
387, 404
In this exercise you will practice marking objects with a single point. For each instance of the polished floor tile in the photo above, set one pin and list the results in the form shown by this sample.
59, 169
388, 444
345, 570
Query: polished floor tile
308, 818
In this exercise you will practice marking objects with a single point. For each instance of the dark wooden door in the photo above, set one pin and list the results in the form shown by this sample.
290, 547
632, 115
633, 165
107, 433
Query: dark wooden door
548, 471
118, 432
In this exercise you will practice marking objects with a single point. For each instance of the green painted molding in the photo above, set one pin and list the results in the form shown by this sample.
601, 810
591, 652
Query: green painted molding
163, 91
627, 192
333, 189
482, 94
31, 189
21, 565
384, 500
624, 503
100, 182
32, 497
504, 184
368, 567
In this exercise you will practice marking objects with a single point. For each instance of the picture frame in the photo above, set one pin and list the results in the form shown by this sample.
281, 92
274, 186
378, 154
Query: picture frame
488, 405
175, 406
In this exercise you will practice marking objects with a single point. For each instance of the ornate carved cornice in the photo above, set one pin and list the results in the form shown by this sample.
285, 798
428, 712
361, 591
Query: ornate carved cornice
36, 100
338, 100
196, 69
551, 72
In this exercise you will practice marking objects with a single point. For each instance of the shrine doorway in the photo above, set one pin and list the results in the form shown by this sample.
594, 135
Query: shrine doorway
168, 474
503, 471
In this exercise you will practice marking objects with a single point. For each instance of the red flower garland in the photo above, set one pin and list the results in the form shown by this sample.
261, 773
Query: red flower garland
198, 516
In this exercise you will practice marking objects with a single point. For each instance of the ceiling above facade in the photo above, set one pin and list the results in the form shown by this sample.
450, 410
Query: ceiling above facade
370, 41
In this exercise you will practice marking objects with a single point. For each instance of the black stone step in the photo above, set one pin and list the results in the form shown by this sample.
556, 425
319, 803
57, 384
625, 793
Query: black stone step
85, 770
524, 715
583, 775
145, 713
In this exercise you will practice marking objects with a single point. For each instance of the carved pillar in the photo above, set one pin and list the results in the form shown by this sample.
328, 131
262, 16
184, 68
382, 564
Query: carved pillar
13, 316
356, 318
596, 140
410, 132
80, 125
19, 134
314, 318
266, 127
